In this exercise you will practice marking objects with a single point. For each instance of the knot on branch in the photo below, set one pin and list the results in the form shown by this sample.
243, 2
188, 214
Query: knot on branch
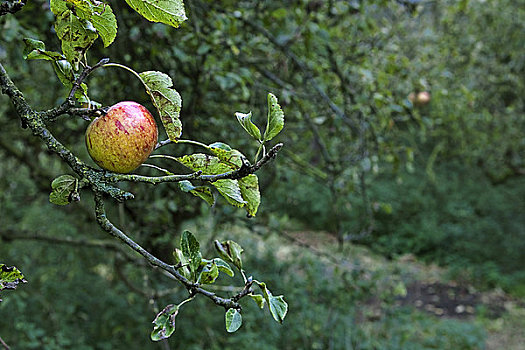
69, 103
247, 169
98, 181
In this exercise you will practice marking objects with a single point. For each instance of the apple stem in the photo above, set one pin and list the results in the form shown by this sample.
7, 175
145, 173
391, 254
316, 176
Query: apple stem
186, 300
261, 148
162, 143
197, 143
133, 72
165, 171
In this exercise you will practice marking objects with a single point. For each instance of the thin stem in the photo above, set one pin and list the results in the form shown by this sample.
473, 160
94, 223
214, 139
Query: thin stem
70, 102
244, 171
258, 152
197, 143
4, 344
244, 276
104, 222
164, 156
165, 171
163, 143
186, 301
133, 72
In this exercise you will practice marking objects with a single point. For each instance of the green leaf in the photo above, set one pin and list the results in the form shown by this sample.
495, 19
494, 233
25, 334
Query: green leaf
278, 307
10, 277
223, 266
81, 94
250, 193
233, 320
246, 122
36, 50
167, 101
191, 251
76, 34
63, 186
259, 299
211, 165
209, 273
199, 191
227, 155
208, 164
230, 251
102, 18
82, 4
170, 12
64, 72
180, 258
58, 6
275, 118
231, 191
164, 323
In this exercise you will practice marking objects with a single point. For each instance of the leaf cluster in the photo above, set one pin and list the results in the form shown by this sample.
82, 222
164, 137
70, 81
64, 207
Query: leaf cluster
10, 277
199, 271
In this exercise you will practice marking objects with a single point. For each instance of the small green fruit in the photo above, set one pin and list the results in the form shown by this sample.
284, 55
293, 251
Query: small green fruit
123, 138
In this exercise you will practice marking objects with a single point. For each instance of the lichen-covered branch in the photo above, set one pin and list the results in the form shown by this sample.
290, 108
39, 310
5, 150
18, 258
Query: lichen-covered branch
244, 171
193, 288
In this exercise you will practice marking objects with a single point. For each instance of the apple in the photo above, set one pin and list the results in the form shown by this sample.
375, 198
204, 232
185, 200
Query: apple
420, 99
123, 138
423, 98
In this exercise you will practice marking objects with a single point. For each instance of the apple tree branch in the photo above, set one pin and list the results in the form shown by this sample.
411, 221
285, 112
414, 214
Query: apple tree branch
99, 182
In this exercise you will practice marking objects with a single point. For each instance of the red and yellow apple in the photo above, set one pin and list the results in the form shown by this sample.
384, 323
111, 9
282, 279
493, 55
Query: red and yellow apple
423, 97
420, 99
123, 138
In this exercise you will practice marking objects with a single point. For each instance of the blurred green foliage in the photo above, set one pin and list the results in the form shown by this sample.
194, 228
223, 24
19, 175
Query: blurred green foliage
443, 181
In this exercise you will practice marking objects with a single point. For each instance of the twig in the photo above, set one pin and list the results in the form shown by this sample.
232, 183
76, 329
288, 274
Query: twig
193, 288
163, 143
87, 113
244, 171
38, 173
85, 243
4, 344
8, 235
70, 102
